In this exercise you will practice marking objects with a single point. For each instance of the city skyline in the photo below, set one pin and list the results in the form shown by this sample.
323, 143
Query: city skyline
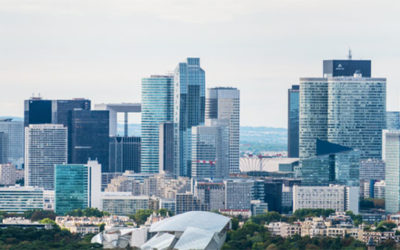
101, 51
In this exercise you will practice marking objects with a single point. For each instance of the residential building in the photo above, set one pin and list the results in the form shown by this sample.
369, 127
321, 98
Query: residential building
84, 125
45, 146
223, 104
125, 154
14, 135
189, 111
157, 108
19, 199
293, 121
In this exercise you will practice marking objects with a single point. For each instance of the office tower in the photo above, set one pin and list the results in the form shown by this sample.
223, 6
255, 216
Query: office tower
224, 104
88, 137
14, 133
3, 148
210, 151
124, 154
189, 110
349, 67
61, 108
37, 111
211, 194
393, 120
45, 146
349, 111
391, 157
18, 199
333, 164
166, 147
238, 193
77, 186
186, 202
157, 108
372, 169
293, 121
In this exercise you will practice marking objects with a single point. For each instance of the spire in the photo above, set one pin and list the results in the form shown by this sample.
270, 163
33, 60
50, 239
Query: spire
350, 56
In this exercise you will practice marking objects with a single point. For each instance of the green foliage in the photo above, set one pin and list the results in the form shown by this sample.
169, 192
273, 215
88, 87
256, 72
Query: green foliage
87, 212
141, 216
102, 227
370, 203
266, 218
357, 219
384, 226
47, 221
301, 214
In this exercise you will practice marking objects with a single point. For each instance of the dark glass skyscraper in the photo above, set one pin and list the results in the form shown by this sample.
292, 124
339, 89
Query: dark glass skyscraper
37, 111
124, 154
189, 110
88, 137
293, 121
61, 108
334, 68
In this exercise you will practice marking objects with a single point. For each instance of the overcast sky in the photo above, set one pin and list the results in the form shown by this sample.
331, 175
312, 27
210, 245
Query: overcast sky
101, 49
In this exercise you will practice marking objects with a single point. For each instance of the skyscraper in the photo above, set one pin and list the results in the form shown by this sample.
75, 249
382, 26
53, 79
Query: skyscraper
45, 146
346, 67
88, 137
14, 133
189, 110
391, 156
61, 108
392, 120
77, 186
3, 148
37, 111
349, 111
293, 121
224, 104
157, 108
166, 147
210, 151
125, 154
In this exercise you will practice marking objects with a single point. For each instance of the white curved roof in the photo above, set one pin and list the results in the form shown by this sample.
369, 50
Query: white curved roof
204, 220
195, 238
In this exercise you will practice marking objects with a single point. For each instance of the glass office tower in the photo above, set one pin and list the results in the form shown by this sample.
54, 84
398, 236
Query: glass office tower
293, 121
37, 111
223, 103
125, 154
189, 110
393, 120
71, 187
157, 108
14, 135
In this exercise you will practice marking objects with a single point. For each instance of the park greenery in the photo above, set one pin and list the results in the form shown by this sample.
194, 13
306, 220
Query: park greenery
141, 215
87, 212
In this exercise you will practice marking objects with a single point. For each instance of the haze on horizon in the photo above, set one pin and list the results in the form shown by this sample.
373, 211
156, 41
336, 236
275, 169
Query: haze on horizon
101, 49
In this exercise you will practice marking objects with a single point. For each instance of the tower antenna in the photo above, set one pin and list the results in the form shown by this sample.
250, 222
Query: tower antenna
350, 56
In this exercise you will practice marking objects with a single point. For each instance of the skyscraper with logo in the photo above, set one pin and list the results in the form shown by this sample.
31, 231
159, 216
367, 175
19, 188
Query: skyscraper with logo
189, 110
157, 108
223, 104
293, 121
45, 146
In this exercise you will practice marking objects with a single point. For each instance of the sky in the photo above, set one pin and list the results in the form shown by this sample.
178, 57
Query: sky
101, 49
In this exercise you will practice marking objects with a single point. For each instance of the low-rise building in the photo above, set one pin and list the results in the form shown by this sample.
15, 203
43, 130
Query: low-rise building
123, 204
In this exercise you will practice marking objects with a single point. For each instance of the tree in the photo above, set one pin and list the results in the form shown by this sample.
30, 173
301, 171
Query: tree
39, 214
141, 216
87, 212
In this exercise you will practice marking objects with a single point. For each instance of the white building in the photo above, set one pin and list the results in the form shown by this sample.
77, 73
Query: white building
17, 199
336, 197
391, 156
45, 146
8, 175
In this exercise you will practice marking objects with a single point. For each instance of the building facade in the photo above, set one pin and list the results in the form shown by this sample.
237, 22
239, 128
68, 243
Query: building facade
293, 121
223, 104
124, 204
18, 199
14, 135
189, 110
392, 120
238, 193
391, 156
157, 108
45, 146
211, 193
125, 154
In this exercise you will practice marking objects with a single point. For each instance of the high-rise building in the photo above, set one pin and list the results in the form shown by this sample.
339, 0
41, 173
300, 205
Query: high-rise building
347, 67
157, 108
211, 194
189, 110
14, 133
77, 186
37, 111
391, 156
224, 104
61, 108
210, 151
88, 137
45, 146
349, 111
238, 193
186, 202
3, 148
166, 147
333, 164
293, 121
392, 120
372, 169
8, 175
124, 154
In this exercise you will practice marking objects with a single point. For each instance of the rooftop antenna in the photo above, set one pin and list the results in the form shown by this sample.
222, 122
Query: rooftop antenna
350, 56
